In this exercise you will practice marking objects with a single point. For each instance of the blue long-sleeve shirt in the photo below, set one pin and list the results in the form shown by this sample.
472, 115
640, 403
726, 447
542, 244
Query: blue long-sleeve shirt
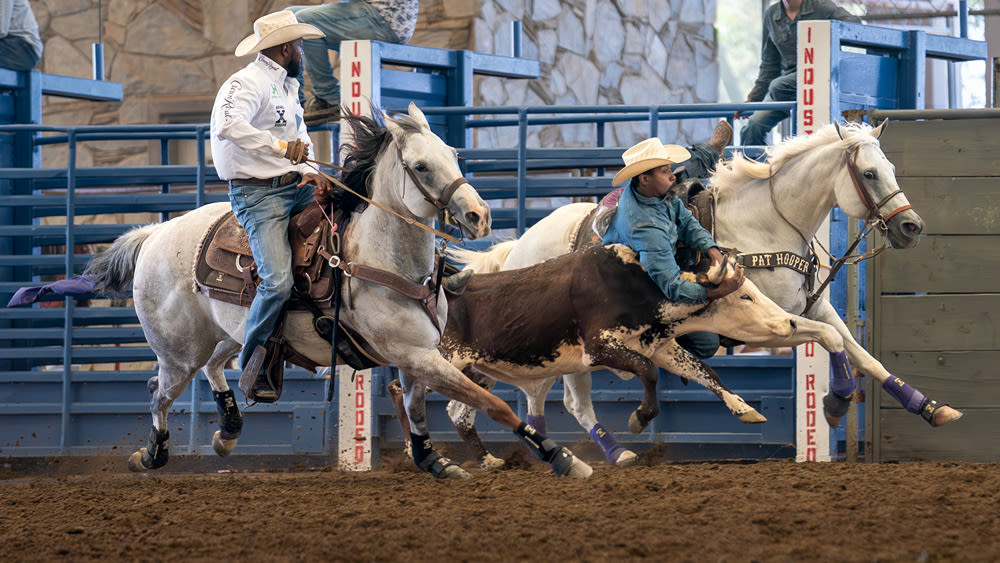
652, 226
778, 46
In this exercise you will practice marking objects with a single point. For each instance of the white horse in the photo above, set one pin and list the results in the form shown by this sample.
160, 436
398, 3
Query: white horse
411, 173
761, 207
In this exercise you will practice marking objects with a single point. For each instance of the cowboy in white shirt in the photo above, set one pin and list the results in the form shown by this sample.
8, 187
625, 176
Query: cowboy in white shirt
259, 144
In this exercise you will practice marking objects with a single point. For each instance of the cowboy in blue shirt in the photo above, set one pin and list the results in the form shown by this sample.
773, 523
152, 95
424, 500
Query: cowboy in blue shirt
650, 220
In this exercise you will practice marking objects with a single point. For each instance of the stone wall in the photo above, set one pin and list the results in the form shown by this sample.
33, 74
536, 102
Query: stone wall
600, 52
171, 56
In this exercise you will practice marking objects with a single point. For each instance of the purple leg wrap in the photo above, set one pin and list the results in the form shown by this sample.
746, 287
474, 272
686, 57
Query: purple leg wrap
607, 442
843, 383
907, 396
538, 422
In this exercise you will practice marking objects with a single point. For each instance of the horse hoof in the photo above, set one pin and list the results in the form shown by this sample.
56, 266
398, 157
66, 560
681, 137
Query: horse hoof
832, 420
453, 472
579, 469
626, 459
944, 415
222, 447
135, 462
634, 425
752, 417
490, 462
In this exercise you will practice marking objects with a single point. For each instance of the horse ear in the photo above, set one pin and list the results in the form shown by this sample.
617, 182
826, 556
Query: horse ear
418, 115
836, 126
877, 132
394, 129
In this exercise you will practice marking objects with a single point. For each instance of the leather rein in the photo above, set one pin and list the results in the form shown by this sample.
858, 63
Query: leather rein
875, 218
423, 292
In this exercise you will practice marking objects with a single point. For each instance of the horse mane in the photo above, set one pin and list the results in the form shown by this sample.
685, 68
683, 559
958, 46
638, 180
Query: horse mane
731, 174
370, 138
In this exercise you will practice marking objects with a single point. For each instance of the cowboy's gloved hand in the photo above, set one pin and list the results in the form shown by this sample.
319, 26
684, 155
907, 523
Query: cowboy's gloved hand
297, 151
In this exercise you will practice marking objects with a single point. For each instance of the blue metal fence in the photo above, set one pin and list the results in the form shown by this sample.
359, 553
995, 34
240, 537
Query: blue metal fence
49, 405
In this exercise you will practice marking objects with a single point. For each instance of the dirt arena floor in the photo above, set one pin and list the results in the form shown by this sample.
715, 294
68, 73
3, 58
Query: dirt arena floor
765, 511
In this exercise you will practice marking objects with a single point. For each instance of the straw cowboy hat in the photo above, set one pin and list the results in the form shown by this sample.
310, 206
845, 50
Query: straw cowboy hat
647, 155
275, 29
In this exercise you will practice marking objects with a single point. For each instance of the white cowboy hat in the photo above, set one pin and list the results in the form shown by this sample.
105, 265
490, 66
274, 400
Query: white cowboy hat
275, 29
647, 155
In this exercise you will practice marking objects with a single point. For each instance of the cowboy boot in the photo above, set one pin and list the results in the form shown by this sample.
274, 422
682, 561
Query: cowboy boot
722, 136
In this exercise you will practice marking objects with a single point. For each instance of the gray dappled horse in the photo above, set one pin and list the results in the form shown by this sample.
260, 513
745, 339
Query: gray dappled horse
188, 331
761, 207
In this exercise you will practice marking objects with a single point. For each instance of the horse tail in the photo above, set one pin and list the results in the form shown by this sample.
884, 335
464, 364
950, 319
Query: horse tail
490, 260
112, 270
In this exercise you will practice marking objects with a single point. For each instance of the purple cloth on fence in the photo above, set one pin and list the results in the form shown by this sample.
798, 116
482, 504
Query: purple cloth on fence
77, 285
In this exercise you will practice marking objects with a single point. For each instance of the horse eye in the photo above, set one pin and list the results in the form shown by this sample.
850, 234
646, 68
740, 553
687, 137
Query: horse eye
747, 298
420, 167
870, 174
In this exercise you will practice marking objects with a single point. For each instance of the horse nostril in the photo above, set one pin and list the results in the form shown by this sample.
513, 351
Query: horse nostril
472, 217
911, 227
792, 322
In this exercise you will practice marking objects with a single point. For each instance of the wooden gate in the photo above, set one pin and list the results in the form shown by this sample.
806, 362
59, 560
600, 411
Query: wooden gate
935, 309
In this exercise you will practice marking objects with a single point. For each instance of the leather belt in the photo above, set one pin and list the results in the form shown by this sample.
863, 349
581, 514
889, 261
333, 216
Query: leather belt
284, 180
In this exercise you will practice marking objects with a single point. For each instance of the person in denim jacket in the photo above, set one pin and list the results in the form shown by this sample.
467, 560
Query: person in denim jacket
650, 220
776, 80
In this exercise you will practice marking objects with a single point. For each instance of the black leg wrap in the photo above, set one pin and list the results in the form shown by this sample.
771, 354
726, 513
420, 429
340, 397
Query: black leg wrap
544, 448
157, 450
835, 405
928, 410
230, 418
426, 458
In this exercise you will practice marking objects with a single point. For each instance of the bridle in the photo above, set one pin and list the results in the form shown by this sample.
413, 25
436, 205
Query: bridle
875, 218
441, 202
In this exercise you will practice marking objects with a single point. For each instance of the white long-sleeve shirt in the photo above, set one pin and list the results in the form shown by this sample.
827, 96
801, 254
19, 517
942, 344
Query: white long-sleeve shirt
254, 109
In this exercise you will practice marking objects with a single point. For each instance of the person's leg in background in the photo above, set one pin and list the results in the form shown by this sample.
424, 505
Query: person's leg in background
781, 89
339, 21
17, 54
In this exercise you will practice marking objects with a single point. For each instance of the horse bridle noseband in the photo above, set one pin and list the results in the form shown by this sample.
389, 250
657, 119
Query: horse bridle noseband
874, 209
441, 202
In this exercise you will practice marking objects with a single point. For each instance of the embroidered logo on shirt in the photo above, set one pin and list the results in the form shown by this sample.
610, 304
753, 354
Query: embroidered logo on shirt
228, 103
281, 121
274, 91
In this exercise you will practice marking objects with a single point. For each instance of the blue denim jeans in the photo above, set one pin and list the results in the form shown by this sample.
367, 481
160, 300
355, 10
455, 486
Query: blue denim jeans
702, 344
17, 54
781, 89
702, 162
339, 21
264, 212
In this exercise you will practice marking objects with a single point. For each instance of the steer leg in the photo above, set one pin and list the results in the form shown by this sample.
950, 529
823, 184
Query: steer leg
679, 361
615, 355
463, 417
428, 367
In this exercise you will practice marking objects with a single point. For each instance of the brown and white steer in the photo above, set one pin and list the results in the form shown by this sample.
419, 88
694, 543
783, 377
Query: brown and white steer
599, 308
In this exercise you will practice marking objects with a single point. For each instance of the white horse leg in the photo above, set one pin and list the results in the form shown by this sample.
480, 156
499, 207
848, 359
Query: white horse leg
169, 383
912, 400
576, 398
230, 418
679, 361
422, 450
429, 366
536, 392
